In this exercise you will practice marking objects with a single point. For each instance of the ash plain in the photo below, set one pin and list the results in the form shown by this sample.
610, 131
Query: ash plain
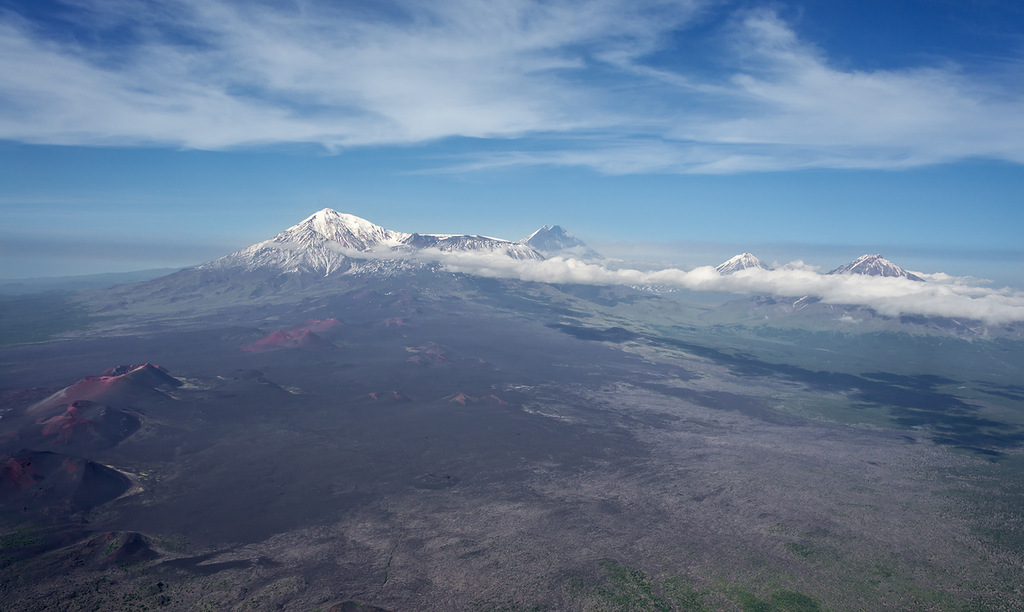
466, 443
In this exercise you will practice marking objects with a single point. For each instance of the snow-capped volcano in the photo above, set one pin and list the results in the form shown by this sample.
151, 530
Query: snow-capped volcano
742, 261
554, 240
347, 231
875, 265
327, 242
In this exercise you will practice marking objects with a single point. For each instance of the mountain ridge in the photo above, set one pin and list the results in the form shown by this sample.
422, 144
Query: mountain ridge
875, 265
327, 242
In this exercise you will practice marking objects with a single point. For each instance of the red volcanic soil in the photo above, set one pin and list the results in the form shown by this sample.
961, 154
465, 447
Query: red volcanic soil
427, 354
116, 387
81, 425
434, 353
320, 325
386, 397
65, 425
16, 474
462, 398
44, 482
289, 339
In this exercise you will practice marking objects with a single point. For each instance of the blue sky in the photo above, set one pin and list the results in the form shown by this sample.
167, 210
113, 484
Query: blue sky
165, 133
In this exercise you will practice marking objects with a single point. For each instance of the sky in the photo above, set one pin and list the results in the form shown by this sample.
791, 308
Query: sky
165, 133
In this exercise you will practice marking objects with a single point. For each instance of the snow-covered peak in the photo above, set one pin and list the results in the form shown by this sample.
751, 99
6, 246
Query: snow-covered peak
553, 237
554, 240
344, 230
544, 229
875, 265
742, 261
328, 242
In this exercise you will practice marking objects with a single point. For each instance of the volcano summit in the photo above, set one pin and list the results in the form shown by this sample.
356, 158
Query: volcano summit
328, 242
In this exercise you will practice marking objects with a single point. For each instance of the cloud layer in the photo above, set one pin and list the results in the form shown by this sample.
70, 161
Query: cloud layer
941, 295
565, 82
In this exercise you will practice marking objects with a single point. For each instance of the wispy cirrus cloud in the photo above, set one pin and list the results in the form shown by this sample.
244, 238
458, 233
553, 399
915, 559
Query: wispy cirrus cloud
217, 74
563, 83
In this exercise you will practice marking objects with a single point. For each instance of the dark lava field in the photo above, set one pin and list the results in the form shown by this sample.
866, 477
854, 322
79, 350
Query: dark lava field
430, 441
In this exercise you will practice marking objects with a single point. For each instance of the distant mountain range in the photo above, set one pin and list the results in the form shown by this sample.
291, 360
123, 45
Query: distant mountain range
330, 250
329, 243
868, 265
808, 312
326, 242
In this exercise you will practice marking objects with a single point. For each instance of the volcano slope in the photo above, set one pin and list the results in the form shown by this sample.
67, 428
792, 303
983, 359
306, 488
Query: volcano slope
509, 446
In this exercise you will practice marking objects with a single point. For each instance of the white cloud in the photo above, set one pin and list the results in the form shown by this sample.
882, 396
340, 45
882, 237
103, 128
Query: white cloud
337, 75
797, 264
941, 295
575, 77
876, 118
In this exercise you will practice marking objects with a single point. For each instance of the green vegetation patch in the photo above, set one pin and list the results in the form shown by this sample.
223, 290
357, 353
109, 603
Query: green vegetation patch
626, 588
20, 539
682, 594
620, 588
778, 601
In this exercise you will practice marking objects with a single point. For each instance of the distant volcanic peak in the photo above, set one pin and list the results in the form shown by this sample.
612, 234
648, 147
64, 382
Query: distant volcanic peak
329, 242
554, 240
289, 339
552, 236
743, 261
351, 232
348, 231
875, 265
